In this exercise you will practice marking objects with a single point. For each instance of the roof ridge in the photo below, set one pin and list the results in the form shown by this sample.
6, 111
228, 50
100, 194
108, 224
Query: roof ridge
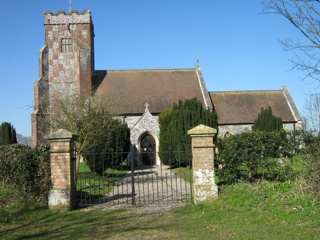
150, 70
247, 91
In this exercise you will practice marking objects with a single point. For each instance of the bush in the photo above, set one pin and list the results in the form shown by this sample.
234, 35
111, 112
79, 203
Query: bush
253, 156
25, 171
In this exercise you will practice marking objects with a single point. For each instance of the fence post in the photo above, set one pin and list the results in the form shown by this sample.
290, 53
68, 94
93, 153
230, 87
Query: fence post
62, 161
204, 187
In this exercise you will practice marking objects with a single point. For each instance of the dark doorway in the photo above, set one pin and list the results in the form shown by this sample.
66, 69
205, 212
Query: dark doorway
148, 150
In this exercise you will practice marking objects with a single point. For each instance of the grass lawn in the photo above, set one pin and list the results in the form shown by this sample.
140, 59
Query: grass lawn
242, 211
89, 183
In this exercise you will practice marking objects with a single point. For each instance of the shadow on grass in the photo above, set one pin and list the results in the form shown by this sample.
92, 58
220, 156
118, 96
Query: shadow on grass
79, 224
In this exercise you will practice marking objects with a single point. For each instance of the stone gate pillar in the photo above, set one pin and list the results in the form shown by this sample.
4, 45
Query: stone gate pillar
204, 187
62, 161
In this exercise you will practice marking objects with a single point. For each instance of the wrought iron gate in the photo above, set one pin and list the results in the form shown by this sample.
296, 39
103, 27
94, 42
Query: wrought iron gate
131, 181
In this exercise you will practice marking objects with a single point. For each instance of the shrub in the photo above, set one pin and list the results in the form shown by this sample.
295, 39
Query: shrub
252, 156
26, 171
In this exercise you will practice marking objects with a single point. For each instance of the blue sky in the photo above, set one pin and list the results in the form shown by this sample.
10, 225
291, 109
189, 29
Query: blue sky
237, 47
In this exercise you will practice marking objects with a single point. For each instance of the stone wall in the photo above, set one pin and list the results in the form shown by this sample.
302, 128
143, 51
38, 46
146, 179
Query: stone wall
226, 130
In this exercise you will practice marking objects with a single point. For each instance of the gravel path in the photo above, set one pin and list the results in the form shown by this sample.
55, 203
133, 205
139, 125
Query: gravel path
156, 188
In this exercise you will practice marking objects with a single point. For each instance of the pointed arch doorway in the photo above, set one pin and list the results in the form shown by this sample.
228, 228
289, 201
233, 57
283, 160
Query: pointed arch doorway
148, 149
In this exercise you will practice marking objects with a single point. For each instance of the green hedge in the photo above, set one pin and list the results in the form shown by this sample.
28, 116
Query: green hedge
255, 155
309, 181
25, 171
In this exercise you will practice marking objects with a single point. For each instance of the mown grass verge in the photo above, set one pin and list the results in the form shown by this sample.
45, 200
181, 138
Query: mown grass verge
243, 211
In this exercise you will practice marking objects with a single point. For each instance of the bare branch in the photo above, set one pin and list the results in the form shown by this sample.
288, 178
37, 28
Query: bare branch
305, 17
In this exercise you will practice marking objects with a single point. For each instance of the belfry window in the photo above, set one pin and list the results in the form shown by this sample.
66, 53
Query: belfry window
66, 45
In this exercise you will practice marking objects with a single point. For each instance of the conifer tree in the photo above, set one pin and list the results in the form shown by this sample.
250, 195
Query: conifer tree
267, 122
175, 144
7, 134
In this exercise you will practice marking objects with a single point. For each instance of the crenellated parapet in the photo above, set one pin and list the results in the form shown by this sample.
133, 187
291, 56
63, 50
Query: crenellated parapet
62, 18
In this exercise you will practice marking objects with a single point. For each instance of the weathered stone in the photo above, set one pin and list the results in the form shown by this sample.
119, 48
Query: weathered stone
61, 134
60, 199
204, 187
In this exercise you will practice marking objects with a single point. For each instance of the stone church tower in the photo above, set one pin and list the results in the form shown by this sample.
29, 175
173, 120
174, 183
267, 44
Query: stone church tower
66, 63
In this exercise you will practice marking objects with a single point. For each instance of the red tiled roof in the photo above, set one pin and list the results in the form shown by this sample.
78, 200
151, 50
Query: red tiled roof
159, 88
241, 107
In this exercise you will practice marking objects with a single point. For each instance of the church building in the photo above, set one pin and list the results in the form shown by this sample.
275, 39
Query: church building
66, 66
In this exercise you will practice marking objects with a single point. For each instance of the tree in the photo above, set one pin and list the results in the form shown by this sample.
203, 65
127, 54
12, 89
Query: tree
175, 144
7, 134
23, 140
312, 114
267, 122
99, 132
305, 17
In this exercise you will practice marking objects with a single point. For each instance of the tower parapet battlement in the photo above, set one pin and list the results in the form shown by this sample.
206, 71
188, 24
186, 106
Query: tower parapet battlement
62, 18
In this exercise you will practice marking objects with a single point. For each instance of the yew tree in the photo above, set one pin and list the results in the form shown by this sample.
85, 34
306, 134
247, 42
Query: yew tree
7, 134
175, 144
267, 122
